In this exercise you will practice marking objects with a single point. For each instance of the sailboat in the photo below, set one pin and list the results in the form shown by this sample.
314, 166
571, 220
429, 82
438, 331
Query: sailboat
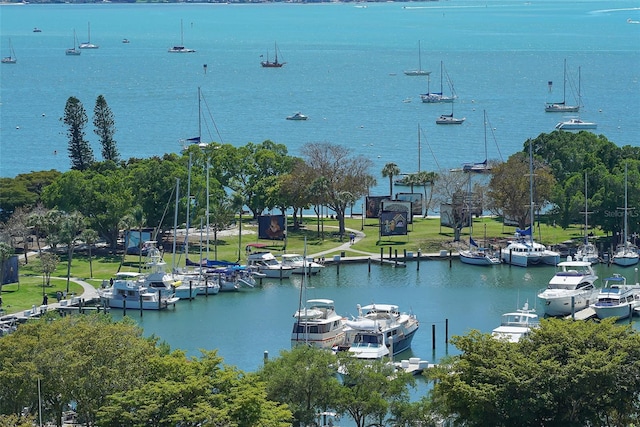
587, 251
88, 44
11, 59
435, 97
626, 252
181, 48
523, 251
575, 123
198, 139
272, 64
73, 51
484, 166
562, 107
448, 119
419, 71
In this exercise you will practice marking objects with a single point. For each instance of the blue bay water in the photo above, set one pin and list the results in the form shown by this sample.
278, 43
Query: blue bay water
344, 70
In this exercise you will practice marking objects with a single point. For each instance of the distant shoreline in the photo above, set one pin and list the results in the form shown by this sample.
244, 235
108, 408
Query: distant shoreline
21, 2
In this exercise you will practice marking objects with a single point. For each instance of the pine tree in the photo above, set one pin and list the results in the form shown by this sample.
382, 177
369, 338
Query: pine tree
75, 117
105, 129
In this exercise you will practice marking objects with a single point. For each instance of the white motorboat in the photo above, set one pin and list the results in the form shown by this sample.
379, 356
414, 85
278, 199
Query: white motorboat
317, 324
576, 123
297, 116
267, 264
571, 289
129, 291
516, 325
156, 278
524, 252
477, 255
380, 330
300, 265
626, 253
617, 299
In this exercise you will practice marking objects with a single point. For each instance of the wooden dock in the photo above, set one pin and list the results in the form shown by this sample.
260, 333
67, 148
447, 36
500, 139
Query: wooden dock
584, 314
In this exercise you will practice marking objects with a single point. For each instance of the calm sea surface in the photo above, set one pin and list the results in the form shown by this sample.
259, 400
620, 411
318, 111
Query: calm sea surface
344, 70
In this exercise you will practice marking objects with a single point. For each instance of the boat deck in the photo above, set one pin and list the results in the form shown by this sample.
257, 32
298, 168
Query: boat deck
584, 314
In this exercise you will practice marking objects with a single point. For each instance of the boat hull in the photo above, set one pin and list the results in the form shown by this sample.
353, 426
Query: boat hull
557, 304
618, 311
468, 258
625, 260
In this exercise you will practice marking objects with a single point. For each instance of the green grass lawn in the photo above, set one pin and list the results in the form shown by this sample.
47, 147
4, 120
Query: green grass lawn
424, 235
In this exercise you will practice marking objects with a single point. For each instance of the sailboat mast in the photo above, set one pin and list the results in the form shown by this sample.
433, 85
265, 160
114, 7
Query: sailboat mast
441, 73
208, 166
625, 205
586, 211
485, 137
564, 83
531, 188
419, 147
175, 225
199, 117
186, 238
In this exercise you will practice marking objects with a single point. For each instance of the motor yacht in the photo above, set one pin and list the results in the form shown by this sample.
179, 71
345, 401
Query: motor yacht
571, 289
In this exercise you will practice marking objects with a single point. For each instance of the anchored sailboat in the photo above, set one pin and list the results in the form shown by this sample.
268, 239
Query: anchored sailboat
419, 71
626, 253
435, 97
88, 44
272, 64
563, 107
11, 59
73, 51
181, 48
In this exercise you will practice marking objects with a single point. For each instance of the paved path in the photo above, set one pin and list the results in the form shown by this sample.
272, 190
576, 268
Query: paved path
89, 293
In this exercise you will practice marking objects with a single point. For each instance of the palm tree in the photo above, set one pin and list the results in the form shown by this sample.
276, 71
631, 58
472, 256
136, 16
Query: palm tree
70, 227
425, 178
90, 237
390, 170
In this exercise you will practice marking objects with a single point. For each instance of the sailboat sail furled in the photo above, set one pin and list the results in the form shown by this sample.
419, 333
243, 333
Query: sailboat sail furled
272, 64
11, 59
73, 51
181, 48
438, 97
563, 107
88, 44
419, 71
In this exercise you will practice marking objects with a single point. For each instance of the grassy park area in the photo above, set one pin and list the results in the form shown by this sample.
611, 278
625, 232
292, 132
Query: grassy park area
425, 235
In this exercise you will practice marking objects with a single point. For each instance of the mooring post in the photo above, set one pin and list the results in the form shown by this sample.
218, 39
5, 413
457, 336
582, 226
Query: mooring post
450, 258
381, 255
433, 336
418, 260
369, 264
446, 331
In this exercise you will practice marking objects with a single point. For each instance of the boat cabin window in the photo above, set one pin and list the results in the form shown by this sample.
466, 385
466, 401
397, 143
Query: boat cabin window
367, 339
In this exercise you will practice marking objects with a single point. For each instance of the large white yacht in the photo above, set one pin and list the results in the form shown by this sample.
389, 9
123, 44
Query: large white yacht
317, 324
571, 289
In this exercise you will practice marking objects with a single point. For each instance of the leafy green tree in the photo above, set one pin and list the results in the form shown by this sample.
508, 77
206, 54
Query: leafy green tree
75, 118
36, 221
565, 374
342, 172
390, 170
89, 237
48, 263
6, 251
23, 191
105, 128
303, 378
509, 188
370, 390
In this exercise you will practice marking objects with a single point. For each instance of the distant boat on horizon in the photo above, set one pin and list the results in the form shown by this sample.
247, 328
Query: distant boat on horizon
73, 51
11, 59
275, 63
88, 44
419, 71
181, 48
